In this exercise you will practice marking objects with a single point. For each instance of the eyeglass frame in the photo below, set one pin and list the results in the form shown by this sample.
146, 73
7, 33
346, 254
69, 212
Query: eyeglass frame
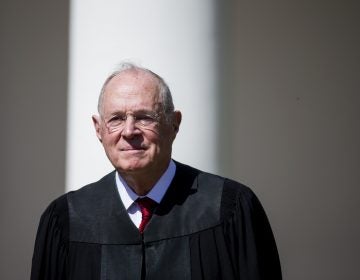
138, 117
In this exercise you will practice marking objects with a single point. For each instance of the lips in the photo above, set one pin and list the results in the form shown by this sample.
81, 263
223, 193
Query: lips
125, 149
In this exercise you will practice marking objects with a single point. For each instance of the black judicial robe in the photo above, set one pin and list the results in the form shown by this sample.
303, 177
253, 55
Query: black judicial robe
206, 227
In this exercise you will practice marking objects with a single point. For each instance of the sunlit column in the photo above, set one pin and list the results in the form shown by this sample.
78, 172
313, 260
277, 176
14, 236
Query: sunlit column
173, 38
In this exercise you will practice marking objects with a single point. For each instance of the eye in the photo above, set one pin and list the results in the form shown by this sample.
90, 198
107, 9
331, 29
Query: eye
116, 120
145, 119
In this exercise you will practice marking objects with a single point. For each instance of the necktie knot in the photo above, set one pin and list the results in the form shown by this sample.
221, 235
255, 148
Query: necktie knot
147, 206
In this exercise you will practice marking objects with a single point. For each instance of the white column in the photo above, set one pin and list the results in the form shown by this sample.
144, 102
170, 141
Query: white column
174, 39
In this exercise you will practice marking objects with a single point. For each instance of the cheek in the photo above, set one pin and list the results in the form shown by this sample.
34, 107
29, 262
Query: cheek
151, 132
108, 140
109, 143
166, 140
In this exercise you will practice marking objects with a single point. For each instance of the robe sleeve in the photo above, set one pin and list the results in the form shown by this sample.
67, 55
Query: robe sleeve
49, 260
251, 239
242, 246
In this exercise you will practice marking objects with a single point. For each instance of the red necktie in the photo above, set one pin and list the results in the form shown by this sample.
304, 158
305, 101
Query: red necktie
147, 206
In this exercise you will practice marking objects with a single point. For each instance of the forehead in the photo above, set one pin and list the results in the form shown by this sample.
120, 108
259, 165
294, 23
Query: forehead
131, 90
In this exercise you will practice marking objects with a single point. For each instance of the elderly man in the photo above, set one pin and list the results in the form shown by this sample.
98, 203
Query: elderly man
152, 218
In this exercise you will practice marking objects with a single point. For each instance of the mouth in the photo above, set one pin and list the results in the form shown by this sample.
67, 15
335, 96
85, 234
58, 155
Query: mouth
130, 149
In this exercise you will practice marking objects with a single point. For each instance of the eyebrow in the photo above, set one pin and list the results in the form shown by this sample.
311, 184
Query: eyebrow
140, 111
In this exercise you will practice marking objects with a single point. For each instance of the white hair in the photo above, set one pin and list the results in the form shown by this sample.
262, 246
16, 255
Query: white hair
164, 91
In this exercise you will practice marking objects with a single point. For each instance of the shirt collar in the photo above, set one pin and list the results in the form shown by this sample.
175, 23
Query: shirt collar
128, 196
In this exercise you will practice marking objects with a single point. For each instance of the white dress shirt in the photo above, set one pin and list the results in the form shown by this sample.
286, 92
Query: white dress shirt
128, 196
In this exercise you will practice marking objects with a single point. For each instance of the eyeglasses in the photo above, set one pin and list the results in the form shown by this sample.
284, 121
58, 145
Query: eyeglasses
141, 120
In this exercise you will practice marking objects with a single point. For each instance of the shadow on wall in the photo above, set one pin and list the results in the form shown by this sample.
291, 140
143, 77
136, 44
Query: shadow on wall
290, 119
34, 63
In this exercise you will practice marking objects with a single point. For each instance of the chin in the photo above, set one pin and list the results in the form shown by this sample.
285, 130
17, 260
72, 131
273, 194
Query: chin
132, 166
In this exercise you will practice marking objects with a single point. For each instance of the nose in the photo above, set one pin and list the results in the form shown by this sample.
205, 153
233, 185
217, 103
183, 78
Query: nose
130, 130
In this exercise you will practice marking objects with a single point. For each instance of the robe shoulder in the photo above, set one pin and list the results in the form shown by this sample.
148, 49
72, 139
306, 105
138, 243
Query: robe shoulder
52, 248
216, 226
249, 237
51, 244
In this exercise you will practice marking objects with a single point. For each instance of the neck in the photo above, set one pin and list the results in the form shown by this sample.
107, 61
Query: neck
141, 182
141, 186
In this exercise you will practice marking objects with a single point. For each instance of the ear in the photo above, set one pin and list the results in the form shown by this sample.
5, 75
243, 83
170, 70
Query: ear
97, 124
177, 120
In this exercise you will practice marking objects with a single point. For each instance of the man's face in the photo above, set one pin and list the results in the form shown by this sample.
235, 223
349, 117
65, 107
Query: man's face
135, 148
